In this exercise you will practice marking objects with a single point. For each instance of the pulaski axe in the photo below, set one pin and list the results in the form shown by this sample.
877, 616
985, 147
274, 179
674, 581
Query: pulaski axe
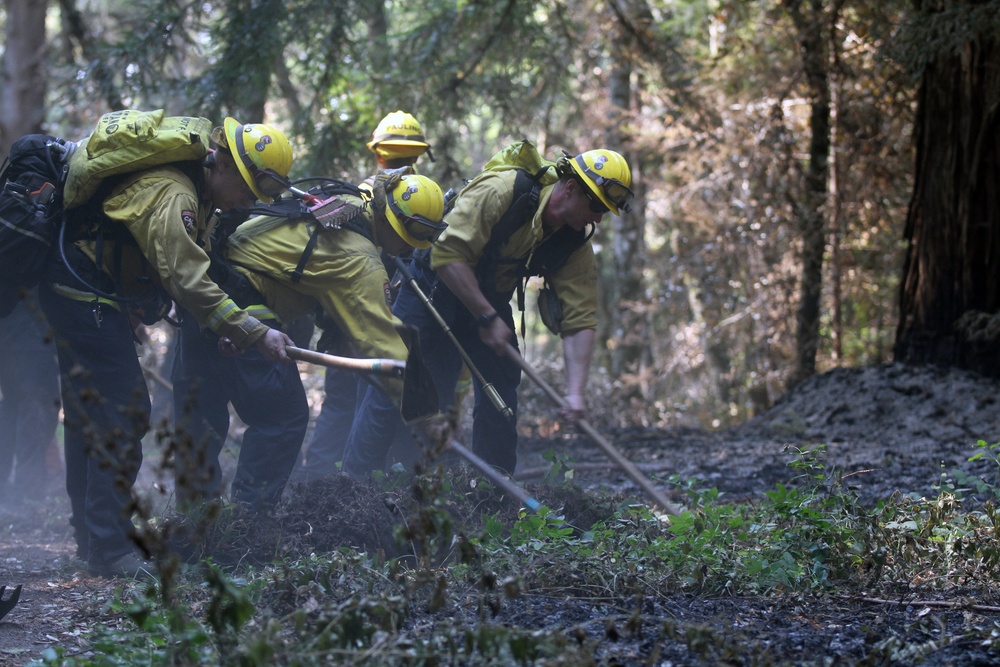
419, 397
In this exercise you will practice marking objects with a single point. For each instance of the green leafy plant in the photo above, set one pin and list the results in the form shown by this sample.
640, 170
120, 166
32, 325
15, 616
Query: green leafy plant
987, 453
454, 603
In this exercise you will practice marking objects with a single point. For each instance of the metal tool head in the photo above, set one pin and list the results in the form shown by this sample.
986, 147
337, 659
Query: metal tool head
8, 604
420, 397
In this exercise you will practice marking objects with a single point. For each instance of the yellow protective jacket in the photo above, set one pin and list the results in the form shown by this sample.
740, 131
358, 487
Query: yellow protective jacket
478, 208
160, 208
344, 276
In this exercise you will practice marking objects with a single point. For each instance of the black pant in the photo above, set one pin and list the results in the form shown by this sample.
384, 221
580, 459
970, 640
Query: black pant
29, 410
106, 414
494, 437
268, 396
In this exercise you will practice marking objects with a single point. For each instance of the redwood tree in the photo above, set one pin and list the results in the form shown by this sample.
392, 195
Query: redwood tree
950, 291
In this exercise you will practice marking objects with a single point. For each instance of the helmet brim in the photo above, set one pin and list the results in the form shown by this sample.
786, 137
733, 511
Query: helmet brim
593, 187
231, 127
400, 228
398, 148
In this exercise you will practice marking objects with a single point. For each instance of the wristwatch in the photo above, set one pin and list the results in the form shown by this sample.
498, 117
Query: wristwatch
486, 319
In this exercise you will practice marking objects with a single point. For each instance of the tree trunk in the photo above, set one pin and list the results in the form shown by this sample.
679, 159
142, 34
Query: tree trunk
812, 26
378, 31
950, 288
836, 216
104, 79
23, 78
253, 47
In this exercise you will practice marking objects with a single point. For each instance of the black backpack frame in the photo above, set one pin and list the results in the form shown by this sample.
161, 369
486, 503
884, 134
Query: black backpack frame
31, 212
88, 222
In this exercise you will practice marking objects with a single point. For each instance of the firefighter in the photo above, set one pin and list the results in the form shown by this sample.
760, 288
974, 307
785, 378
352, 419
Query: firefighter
398, 140
472, 276
162, 218
266, 394
290, 267
397, 143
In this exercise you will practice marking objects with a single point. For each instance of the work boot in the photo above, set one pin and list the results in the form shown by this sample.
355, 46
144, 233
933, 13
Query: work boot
82, 548
129, 566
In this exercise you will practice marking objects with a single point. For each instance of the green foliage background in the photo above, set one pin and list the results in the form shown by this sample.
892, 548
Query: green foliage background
698, 324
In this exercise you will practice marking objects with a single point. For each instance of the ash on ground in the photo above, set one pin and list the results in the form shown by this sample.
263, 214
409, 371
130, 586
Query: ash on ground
886, 429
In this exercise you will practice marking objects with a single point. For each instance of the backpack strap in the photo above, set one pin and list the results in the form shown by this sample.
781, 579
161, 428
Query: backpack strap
550, 256
547, 258
333, 213
350, 218
524, 205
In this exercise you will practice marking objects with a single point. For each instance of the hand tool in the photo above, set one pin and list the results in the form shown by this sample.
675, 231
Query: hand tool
488, 388
419, 397
388, 367
8, 604
495, 476
654, 494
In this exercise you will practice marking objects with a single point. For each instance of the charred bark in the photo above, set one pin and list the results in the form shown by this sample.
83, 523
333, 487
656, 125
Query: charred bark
951, 272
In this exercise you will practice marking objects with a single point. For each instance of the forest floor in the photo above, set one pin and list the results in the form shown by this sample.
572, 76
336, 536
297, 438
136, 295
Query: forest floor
888, 430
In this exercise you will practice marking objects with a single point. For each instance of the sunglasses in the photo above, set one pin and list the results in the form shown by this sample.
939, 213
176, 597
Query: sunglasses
596, 205
419, 227
617, 192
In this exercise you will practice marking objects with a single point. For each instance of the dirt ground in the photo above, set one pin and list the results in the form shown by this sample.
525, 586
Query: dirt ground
890, 428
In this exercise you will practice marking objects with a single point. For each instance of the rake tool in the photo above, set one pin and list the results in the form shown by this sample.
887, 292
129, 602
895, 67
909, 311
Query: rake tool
488, 389
619, 459
495, 476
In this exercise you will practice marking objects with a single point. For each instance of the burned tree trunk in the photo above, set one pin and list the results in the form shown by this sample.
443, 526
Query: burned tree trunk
950, 288
628, 325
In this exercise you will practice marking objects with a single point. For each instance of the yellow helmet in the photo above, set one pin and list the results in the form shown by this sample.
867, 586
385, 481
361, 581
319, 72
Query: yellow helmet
263, 156
415, 208
608, 176
399, 135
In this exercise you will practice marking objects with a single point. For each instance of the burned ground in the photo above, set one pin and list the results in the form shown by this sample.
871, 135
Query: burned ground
885, 430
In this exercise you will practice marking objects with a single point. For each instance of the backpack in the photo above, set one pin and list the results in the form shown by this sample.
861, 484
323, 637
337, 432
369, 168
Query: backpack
31, 209
524, 155
129, 140
45, 176
534, 173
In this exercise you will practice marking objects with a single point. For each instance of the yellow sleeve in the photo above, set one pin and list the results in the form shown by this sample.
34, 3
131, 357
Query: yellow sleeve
161, 212
478, 208
575, 284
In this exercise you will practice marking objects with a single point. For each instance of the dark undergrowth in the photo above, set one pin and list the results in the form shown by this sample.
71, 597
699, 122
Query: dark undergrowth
443, 569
